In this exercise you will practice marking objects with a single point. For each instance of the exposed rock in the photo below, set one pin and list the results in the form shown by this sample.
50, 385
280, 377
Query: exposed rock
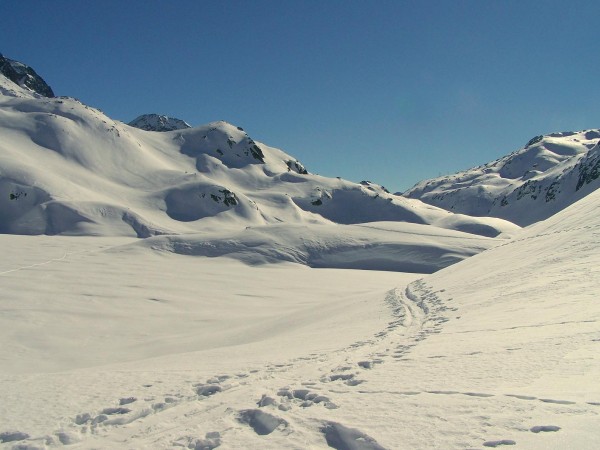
24, 76
155, 122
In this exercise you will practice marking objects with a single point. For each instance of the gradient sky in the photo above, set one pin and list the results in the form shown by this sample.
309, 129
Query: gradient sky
387, 91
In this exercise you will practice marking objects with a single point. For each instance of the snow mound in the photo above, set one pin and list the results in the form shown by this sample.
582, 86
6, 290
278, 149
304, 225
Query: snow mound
547, 175
389, 246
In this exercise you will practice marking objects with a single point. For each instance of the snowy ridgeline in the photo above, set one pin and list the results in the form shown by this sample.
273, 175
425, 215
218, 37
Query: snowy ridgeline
547, 175
68, 169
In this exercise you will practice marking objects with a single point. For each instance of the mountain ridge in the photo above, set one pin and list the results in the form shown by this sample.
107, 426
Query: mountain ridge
548, 174
24, 76
70, 169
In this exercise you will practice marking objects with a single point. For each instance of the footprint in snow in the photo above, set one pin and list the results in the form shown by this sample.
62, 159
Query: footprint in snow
206, 390
114, 416
340, 376
211, 440
127, 400
365, 364
111, 411
12, 436
347, 378
261, 422
68, 438
301, 397
341, 437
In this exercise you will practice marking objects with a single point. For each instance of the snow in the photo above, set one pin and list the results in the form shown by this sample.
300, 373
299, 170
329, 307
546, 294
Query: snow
151, 348
69, 169
550, 173
253, 324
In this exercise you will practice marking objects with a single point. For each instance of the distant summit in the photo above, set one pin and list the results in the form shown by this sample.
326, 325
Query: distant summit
155, 122
545, 176
24, 76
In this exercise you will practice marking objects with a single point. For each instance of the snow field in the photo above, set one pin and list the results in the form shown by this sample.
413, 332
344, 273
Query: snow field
498, 350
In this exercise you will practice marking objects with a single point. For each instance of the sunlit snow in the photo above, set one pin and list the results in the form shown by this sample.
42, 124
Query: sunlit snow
196, 289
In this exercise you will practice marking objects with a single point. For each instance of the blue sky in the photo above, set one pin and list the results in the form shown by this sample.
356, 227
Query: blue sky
387, 91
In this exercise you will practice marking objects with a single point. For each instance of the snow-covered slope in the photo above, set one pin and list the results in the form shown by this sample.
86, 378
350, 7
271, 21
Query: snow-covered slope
66, 168
155, 122
390, 246
531, 184
104, 345
24, 76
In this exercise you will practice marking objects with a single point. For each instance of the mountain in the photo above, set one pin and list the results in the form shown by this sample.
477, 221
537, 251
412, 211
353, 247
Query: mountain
110, 341
550, 173
24, 76
69, 169
127, 343
155, 122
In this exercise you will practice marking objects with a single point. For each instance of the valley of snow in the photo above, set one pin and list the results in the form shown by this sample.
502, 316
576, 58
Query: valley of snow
196, 289
107, 343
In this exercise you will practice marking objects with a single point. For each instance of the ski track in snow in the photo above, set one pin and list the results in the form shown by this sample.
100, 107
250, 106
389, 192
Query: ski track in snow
35, 265
164, 420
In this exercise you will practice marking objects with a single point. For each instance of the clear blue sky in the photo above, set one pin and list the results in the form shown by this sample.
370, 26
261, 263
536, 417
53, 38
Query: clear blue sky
388, 91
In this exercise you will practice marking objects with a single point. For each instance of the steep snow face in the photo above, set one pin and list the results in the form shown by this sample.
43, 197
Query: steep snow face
67, 168
529, 185
24, 76
155, 122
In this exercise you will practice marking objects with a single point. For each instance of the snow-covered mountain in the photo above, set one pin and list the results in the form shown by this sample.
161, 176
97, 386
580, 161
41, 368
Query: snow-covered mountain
113, 343
547, 175
69, 169
155, 122
171, 342
24, 76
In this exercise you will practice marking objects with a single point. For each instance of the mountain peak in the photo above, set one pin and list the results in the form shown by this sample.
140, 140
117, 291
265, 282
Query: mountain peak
24, 76
156, 122
549, 173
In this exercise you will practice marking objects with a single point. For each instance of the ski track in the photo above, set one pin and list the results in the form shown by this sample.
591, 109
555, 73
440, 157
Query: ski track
31, 266
173, 418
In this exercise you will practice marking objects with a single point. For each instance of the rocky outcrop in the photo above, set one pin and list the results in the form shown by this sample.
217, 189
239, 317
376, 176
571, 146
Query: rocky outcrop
24, 76
155, 122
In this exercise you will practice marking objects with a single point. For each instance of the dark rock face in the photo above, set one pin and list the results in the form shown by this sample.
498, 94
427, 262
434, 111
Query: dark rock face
155, 122
24, 76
